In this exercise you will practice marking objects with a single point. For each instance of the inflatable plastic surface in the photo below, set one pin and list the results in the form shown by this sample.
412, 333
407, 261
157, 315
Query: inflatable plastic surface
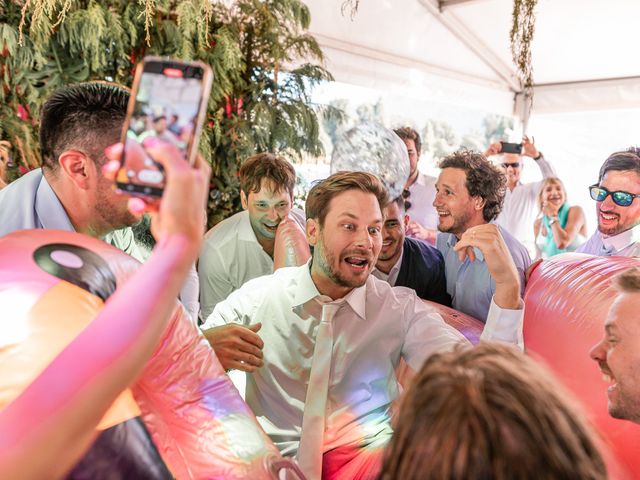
566, 302
291, 248
468, 326
52, 284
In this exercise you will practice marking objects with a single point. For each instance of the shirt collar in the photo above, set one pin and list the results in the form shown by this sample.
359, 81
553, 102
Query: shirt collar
619, 242
451, 242
50, 211
393, 273
245, 230
306, 291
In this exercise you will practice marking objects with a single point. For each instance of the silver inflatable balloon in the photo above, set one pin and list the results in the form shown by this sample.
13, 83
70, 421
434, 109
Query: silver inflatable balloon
372, 148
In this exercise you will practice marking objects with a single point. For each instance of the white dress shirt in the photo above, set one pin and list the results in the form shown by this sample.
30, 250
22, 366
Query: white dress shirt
375, 326
423, 193
625, 244
392, 276
230, 256
521, 207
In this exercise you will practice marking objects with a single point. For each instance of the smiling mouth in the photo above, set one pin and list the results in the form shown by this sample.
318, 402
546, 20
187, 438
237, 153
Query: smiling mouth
442, 213
608, 217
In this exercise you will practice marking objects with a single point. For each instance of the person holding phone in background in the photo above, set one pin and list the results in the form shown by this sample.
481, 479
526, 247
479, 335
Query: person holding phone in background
560, 227
519, 209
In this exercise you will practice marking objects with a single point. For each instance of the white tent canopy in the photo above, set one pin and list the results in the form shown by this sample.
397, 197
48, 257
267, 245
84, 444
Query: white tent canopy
584, 51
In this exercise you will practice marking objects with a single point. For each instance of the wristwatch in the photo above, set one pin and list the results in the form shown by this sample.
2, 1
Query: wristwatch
538, 157
553, 220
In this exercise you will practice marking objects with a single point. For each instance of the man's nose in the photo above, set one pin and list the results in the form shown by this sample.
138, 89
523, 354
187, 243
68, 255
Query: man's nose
598, 352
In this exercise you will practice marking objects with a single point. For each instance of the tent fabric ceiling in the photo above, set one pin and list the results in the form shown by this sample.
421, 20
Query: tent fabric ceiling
584, 51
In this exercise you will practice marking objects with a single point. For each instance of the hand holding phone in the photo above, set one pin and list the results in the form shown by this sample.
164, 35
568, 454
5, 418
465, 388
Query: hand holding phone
507, 147
168, 104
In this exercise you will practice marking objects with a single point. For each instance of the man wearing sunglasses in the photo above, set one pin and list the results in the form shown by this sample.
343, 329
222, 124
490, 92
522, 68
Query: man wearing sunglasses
617, 206
520, 202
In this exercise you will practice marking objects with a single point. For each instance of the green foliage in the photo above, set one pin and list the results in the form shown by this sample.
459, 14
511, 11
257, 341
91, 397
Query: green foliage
264, 64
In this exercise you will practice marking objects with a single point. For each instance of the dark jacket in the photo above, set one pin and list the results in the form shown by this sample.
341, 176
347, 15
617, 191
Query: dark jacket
422, 269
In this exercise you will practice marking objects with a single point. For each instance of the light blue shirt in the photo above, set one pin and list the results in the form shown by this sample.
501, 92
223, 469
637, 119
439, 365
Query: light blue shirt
469, 283
30, 202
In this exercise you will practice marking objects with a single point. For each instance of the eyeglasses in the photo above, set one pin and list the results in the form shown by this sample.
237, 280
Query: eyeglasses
623, 199
514, 165
406, 194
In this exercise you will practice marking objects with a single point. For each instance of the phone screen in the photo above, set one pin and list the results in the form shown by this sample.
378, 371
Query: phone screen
168, 97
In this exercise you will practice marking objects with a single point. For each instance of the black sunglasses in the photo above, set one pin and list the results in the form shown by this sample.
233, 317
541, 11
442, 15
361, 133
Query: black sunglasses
514, 165
623, 199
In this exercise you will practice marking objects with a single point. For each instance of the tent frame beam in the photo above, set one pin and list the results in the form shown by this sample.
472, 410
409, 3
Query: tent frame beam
443, 4
473, 43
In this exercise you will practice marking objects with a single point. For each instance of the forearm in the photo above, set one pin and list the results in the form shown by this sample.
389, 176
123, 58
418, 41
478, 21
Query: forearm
545, 167
98, 364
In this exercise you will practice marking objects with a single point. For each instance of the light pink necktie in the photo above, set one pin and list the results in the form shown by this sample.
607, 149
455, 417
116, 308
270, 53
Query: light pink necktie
312, 437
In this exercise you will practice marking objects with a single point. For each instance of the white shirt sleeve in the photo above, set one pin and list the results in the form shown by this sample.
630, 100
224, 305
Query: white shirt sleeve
546, 168
426, 333
504, 325
239, 307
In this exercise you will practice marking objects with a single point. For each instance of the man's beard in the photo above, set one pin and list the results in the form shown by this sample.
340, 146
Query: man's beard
459, 225
325, 260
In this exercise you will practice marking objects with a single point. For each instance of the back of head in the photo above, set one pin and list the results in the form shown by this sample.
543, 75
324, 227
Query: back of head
86, 117
489, 412
624, 160
276, 171
484, 180
320, 196
408, 133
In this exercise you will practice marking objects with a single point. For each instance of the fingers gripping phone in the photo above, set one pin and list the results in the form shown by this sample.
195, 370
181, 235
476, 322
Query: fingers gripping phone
168, 102
511, 147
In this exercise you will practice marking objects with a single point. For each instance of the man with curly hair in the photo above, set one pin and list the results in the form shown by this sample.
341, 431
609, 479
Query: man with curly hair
478, 255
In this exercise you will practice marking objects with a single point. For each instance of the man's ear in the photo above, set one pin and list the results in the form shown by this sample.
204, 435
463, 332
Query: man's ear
243, 200
77, 167
313, 231
479, 203
407, 219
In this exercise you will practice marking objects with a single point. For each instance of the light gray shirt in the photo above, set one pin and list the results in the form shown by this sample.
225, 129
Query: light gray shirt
469, 283
625, 244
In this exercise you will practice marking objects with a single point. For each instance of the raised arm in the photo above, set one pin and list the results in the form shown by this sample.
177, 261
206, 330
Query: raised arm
46, 429
529, 149
504, 322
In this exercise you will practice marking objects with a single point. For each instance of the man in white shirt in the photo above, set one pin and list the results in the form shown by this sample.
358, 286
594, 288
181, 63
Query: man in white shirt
617, 206
241, 247
419, 192
520, 206
343, 426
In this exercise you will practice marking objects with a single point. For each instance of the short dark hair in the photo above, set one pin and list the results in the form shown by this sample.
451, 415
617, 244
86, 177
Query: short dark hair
624, 160
401, 202
628, 281
484, 180
270, 167
408, 133
86, 117
321, 194
490, 412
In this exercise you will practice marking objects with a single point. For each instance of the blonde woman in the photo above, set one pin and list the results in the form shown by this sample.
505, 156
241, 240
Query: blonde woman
559, 227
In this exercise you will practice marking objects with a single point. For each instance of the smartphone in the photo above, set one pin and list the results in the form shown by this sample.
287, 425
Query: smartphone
168, 102
511, 147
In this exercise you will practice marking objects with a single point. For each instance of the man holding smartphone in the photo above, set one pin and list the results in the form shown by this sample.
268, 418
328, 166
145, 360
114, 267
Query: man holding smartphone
520, 202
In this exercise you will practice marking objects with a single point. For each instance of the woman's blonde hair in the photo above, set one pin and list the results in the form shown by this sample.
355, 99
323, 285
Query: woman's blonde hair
547, 181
